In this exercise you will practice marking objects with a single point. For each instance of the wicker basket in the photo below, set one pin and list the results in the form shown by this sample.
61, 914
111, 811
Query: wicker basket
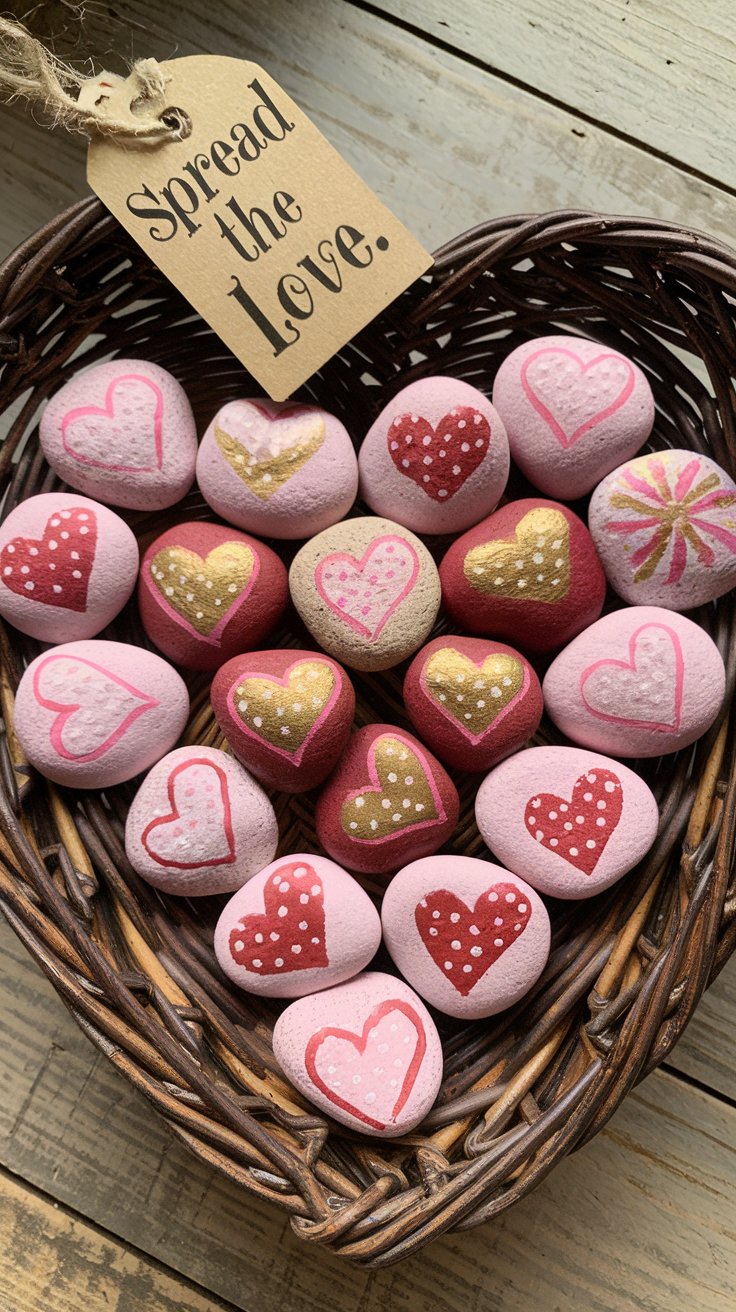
137, 969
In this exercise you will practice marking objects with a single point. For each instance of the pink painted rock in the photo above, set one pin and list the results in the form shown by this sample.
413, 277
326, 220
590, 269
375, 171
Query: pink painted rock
122, 432
468, 936
67, 566
528, 574
367, 1053
436, 459
286, 715
91, 714
367, 590
573, 410
199, 824
472, 700
207, 592
388, 802
280, 469
640, 682
301, 925
570, 822
665, 529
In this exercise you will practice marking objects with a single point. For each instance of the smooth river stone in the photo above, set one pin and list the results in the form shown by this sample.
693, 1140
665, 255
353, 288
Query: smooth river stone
199, 824
642, 681
570, 822
367, 1053
122, 432
301, 925
573, 410
92, 714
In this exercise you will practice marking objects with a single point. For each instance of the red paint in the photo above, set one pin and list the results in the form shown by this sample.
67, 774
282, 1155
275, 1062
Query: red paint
179, 812
591, 815
470, 941
60, 573
301, 926
413, 442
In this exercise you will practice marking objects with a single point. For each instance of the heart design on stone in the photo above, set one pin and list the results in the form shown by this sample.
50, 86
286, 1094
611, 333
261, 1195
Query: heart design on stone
474, 697
266, 450
290, 934
54, 569
439, 459
644, 692
199, 824
579, 829
402, 794
594, 390
535, 566
371, 1074
286, 712
94, 706
365, 593
204, 589
465, 942
131, 421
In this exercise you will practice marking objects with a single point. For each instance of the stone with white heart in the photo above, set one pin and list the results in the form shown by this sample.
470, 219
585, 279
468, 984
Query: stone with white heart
388, 802
124, 433
207, 592
94, 713
472, 700
573, 410
280, 469
470, 937
642, 681
286, 714
436, 459
199, 824
67, 566
367, 590
301, 925
570, 822
366, 1052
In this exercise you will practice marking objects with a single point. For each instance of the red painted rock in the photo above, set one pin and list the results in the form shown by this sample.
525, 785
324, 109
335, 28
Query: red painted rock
529, 574
286, 714
207, 592
472, 700
388, 802
301, 925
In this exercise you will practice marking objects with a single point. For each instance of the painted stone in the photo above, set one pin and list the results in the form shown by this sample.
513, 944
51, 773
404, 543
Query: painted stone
280, 469
436, 459
124, 433
366, 1052
573, 410
529, 574
301, 925
367, 590
91, 714
642, 681
570, 822
199, 824
67, 566
387, 803
286, 715
207, 592
472, 700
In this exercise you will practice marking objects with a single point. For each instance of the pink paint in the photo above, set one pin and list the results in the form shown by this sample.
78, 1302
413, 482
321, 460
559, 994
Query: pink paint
371, 599
107, 418
596, 387
623, 675
497, 719
210, 841
438, 819
107, 720
294, 757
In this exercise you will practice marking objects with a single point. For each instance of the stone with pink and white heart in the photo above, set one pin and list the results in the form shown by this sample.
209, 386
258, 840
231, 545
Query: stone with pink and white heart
573, 410
91, 714
367, 590
469, 936
279, 469
436, 459
199, 824
301, 925
367, 1053
124, 433
642, 681
67, 566
570, 822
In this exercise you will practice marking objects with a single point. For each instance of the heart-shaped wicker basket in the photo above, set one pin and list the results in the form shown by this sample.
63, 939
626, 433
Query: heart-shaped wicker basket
137, 969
